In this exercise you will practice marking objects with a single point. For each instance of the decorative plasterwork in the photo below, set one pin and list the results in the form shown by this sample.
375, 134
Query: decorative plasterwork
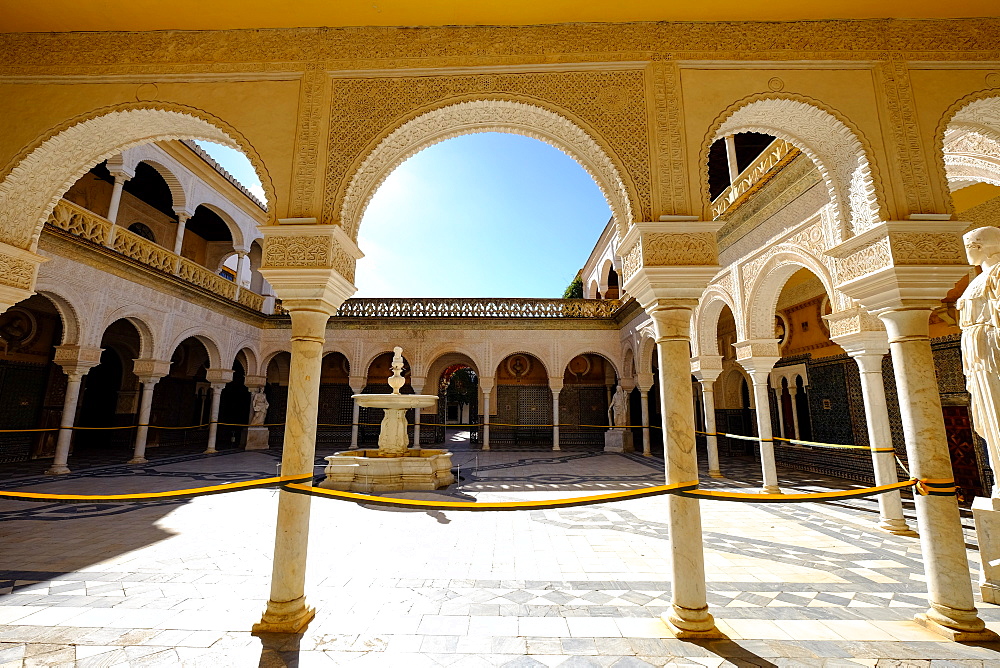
681, 243
366, 47
978, 113
899, 243
33, 182
836, 149
372, 108
851, 322
308, 246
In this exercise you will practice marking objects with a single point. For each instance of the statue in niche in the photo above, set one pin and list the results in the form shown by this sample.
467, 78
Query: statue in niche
258, 404
979, 318
618, 411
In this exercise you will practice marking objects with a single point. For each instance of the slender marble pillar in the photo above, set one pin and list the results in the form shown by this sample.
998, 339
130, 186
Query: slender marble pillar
793, 392
213, 424
555, 419
141, 431
711, 441
880, 439
768, 468
182, 219
486, 420
778, 393
357, 387
946, 567
116, 196
59, 463
241, 269
287, 611
689, 600
646, 448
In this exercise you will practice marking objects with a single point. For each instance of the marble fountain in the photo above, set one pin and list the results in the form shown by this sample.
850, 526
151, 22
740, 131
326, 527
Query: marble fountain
394, 466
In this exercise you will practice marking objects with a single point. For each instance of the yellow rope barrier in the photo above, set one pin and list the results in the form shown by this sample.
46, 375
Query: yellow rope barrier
154, 496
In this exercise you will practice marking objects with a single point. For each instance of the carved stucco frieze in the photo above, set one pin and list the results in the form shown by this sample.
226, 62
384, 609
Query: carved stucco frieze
870, 257
927, 248
297, 251
669, 123
381, 121
17, 273
898, 247
852, 321
631, 261
696, 248
365, 47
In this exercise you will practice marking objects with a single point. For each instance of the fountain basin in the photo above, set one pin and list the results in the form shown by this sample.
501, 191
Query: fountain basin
379, 471
396, 401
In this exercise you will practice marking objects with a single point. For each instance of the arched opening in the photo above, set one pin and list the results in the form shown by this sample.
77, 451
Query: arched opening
458, 404
730, 157
208, 241
234, 411
523, 398
335, 403
110, 395
589, 382
276, 372
182, 398
971, 156
732, 393
32, 386
835, 149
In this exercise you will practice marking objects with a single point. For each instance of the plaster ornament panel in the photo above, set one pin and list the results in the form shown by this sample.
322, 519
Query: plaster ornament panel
17, 273
366, 47
661, 249
631, 261
975, 113
381, 121
853, 321
296, 251
35, 180
927, 248
835, 149
966, 170
910, 162
870, 257
668, 118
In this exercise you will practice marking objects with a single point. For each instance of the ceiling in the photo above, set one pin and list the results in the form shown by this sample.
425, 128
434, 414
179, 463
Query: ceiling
73, 15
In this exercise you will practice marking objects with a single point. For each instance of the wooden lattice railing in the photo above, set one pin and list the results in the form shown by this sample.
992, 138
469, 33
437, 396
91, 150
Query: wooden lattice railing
88, 225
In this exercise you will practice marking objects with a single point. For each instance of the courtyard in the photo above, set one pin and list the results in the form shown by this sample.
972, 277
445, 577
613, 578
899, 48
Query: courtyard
182, 582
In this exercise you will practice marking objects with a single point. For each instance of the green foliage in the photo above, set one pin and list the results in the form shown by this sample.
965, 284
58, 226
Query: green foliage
575, 289
463, 386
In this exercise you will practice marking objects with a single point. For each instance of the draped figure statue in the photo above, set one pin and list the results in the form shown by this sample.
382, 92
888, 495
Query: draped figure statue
618, 411
979, 318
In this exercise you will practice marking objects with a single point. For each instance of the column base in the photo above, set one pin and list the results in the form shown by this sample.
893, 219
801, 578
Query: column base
896, 528
715, 474
990, 592
484, 448
138, 460
770, 489
684, 629
555, 448
955, 635
285, 617
57, 470
210, 451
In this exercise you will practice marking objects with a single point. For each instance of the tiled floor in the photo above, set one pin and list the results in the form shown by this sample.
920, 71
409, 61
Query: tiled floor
181, 583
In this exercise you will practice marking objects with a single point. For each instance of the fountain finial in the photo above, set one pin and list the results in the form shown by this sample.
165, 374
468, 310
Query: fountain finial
396, 381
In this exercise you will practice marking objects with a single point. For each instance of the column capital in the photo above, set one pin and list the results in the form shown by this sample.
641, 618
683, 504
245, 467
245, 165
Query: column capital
556, 384
417, 383
357, 383
182, 215
706, 368
627, 384
308, 264
150, 370
673, 258
487, 383
759, 366
644, 381
897, 264
79, 358
18, 269
255, 382
219, 377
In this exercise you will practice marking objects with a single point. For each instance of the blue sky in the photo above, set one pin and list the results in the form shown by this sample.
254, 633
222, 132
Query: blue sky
482, 215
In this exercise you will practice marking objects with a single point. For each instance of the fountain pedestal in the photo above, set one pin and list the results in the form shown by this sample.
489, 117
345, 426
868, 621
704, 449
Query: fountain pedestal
394, 467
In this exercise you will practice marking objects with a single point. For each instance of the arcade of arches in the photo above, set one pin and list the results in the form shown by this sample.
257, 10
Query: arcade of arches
782, 236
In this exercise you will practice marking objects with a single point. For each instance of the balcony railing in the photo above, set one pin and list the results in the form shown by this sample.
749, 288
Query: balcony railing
478, 308
777, 152
86, 224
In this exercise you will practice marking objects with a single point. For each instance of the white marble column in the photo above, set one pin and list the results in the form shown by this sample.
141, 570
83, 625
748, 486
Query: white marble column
76, 362
486, 387
116, 195
142, 430
357, 384
556, 388
778, 392
418, 388
946, 567
793, 391
689, 614
868, 349
286, 608
242, 266
707, 369
759, 367
213, 420
182, 219
645, 383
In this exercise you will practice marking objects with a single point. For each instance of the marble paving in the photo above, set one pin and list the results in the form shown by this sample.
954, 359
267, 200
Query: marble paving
181, 583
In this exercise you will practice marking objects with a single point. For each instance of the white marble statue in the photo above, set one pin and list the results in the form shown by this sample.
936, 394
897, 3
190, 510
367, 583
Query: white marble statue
618, 411
979, 318
258, 404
